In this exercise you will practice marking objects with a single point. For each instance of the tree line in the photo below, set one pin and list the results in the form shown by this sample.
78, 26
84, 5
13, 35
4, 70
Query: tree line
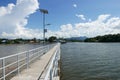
105, 38
24, 41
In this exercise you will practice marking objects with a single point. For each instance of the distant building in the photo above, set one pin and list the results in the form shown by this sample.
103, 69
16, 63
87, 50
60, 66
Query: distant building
4, 41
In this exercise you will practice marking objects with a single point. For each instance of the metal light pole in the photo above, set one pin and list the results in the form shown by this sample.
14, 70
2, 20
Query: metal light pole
44, 12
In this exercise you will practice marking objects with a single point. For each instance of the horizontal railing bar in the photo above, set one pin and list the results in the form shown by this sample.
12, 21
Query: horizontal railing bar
29, 55
51, 66
40, 51
1, 68
13, 55
37, 48
46, 67
22, 59
32, 59
34, 54
11, 72
1, 78
22, 65
10, 64
40, 55
37, 56
13, 63
21, 53
51, 62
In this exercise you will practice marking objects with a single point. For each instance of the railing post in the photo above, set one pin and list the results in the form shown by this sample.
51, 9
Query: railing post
55, 66
59, 51
39, 53
27, 59
51, 74
48, 48
18, 64
3, 67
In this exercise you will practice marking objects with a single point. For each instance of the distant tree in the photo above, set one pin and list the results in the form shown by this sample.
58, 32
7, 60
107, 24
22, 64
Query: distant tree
0, 41
90, 40
16, 41
105, 38
34, 39
52, 39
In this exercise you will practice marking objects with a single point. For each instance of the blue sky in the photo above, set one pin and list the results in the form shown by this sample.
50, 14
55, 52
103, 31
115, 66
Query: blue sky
62, 11
68, 18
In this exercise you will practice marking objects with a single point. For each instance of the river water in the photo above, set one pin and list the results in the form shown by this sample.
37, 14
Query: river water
90, 61
81, 61
10, 49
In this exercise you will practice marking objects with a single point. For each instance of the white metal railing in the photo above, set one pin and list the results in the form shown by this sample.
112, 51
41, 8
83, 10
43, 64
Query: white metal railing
51, 70
14, 64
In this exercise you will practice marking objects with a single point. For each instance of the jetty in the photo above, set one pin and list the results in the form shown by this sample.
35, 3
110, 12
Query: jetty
37, 64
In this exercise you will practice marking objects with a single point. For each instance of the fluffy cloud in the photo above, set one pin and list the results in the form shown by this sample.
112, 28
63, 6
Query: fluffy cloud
75, 5
14, 18
104, 24
82, 17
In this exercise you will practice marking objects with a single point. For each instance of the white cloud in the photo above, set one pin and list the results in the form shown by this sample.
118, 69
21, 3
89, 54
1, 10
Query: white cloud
75, 5
82, 17
103, 17
6, 10
14, 18
104, 24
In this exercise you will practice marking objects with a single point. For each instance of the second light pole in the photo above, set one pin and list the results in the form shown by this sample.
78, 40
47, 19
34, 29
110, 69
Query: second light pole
44, 24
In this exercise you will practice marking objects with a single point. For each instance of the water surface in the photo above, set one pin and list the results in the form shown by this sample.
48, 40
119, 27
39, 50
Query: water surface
10, 49
90, 61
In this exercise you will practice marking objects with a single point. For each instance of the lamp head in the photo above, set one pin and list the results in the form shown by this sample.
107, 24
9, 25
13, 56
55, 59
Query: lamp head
44, 11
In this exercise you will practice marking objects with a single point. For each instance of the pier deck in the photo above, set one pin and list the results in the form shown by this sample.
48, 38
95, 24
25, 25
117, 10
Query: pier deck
36, 69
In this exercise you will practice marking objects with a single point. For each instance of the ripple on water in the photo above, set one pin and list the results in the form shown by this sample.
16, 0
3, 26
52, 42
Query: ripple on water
90, 61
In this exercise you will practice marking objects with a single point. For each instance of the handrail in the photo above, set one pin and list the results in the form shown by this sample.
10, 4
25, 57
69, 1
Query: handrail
12, 55
23, 59
23, 52
51, 68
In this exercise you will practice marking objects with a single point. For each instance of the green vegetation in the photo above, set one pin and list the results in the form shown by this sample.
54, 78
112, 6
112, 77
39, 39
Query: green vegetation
18, 41
105, 38
52, 39
73, 40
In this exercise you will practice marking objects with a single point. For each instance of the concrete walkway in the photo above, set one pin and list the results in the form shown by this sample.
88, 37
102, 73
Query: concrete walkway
36, 68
